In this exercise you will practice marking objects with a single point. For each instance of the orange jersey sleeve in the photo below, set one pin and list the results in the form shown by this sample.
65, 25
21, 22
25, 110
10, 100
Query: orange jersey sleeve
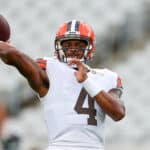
42, 63
119, 82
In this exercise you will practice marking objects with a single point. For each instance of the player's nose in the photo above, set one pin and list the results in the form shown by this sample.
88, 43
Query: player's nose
73, 49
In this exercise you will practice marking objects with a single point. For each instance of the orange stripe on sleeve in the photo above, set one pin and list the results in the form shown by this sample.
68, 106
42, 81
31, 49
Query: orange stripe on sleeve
42, 63
119, 82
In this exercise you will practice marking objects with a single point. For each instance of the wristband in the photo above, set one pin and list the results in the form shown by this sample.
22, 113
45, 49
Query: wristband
91, 87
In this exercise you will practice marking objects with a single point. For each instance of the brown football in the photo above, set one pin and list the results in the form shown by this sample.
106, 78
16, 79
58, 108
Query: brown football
4, 29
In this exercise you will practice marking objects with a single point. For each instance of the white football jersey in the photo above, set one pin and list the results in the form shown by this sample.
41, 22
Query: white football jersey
73, 118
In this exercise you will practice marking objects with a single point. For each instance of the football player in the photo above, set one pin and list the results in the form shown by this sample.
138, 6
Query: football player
75, 97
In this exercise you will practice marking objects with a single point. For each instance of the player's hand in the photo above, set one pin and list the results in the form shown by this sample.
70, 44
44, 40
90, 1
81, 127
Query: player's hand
5, 47
81, 73
3, 44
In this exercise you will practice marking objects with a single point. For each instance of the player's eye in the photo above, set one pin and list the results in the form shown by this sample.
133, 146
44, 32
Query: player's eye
81, 49
65, 48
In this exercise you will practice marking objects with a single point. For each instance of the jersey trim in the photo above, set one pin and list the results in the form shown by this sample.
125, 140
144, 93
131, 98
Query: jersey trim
42, 63
119, 83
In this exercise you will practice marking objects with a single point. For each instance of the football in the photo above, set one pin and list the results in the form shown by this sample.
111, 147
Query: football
4, 29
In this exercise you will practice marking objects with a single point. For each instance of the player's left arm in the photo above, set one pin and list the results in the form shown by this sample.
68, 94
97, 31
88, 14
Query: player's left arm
110, 102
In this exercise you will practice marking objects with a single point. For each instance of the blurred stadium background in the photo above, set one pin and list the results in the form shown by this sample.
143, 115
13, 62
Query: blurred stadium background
122, 30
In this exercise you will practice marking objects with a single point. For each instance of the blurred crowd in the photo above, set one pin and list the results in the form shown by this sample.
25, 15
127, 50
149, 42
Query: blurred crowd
22, 113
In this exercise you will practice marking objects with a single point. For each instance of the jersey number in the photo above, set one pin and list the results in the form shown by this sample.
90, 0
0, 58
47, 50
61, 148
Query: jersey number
91, 111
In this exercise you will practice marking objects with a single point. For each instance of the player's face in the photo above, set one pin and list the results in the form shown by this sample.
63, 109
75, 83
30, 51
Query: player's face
74, 48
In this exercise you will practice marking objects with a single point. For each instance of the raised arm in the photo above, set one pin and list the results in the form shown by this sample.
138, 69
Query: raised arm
36, 77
